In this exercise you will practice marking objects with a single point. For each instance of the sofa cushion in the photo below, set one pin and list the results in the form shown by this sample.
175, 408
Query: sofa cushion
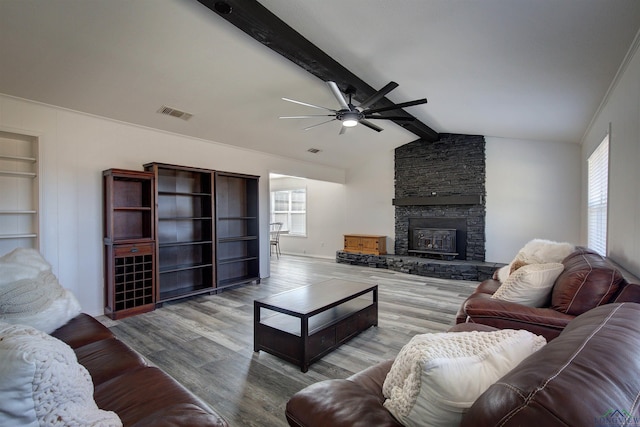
585, 377
82, 330
587, 281
338, 403
43, 383
108, 358
30, 293
142, 395
530, 284
430, 378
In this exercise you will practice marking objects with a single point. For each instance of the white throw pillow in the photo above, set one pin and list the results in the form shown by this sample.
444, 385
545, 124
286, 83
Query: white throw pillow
42, 383
30, 293
540, 251
437, 377
530, 285
503, 272
537, 251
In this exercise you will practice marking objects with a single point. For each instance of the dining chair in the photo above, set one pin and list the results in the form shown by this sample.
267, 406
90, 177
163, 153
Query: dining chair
274, 238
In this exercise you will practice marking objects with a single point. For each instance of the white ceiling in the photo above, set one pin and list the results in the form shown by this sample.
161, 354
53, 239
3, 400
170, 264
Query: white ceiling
507, 68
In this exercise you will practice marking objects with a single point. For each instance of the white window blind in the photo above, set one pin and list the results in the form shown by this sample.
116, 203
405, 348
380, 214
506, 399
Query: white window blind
598, 186
290, 208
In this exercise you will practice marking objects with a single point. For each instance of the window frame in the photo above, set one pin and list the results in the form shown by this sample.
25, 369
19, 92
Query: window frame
598, 196
290, 212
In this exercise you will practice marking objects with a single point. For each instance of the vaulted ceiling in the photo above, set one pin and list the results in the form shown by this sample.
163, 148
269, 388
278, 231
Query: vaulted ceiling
507, 68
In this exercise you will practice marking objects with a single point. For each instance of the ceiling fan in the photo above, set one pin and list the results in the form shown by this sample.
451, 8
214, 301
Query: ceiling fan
350, 115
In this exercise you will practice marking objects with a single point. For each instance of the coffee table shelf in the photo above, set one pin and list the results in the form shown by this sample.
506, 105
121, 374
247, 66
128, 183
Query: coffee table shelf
304, 324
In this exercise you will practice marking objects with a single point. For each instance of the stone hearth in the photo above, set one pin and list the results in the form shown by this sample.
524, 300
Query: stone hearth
457, 270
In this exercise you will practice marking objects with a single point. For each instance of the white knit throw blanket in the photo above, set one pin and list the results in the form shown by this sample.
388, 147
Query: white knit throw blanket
62, 389
29, 295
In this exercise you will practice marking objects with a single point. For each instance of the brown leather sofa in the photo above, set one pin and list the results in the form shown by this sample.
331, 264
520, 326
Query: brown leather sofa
588, 376
124, 383
588, 281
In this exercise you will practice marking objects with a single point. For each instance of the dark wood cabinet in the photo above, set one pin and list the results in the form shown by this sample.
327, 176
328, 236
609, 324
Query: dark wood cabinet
176, 231
129, 239
237, 228
185, 230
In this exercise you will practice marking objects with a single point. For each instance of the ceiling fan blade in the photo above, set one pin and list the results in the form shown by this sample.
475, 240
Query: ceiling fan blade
306, 117
343, 130
399, 118
336, 92
378, 95
397, 106
319, 124
370, 125
308, 105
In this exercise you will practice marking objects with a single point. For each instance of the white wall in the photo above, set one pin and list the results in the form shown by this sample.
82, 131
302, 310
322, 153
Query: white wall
533, 191
74, 150
621, 110
325, 217
361, 206
370, 191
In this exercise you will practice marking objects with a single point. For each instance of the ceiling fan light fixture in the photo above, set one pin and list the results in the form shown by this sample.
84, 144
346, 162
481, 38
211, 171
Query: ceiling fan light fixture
349, 118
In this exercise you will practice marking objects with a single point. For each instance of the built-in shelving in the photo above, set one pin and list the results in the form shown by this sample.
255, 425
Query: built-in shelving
19, 186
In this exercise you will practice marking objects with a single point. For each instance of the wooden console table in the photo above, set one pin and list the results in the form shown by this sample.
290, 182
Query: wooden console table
303, 324
365, 244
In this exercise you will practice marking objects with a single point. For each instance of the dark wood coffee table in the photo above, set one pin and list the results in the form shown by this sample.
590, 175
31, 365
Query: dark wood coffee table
303, 324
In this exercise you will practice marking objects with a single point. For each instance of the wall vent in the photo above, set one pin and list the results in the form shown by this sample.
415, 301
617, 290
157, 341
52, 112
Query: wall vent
174, 113
314, 150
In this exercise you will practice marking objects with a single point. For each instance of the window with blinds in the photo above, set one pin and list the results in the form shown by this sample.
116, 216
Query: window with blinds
598, 185
290, 208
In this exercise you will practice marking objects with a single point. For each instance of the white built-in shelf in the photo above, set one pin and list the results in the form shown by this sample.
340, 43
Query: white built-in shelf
19, 236
19, 190
18, 174
17, 212
18, 158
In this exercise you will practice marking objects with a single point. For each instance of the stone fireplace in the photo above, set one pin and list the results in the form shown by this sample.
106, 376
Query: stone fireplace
439, 194
441, 185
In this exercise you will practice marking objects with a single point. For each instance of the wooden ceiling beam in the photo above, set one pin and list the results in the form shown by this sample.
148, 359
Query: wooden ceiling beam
265, 27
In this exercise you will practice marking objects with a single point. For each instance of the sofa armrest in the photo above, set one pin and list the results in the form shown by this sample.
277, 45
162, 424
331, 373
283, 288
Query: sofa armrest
337, 403
481, 308
580, 379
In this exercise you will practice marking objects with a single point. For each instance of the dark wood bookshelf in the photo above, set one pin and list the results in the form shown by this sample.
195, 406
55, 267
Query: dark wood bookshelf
184, 223
237, 229
129, 239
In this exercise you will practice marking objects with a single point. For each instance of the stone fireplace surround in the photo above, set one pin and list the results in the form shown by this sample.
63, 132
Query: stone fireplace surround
441, 185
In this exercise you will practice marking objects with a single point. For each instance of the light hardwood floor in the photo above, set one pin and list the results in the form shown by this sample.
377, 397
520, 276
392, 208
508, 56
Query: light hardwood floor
206, 342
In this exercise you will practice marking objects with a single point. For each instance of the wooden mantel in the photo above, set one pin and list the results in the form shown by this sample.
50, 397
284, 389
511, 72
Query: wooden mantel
473, 199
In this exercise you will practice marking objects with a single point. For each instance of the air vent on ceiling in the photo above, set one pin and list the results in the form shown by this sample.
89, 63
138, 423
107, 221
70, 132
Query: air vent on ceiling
174, 113
314, 150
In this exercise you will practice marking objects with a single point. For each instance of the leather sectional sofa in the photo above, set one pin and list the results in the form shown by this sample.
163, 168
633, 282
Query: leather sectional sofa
124, 383
587, 376
588, 280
